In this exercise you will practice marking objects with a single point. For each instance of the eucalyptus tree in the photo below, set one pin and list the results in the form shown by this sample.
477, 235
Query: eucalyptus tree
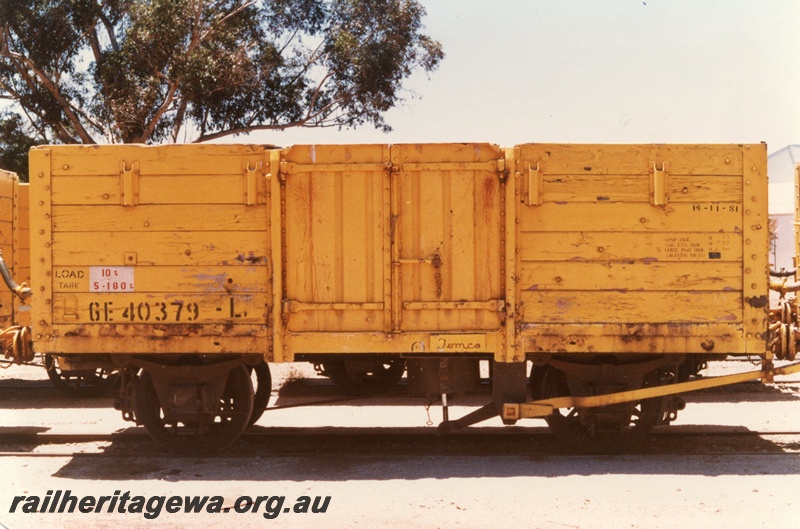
153, 71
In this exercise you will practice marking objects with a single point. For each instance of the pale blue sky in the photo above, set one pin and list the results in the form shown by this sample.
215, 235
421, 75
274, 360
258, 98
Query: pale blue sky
605, 71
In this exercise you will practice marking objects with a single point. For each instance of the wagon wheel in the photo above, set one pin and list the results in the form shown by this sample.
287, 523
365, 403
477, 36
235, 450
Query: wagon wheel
262, 379
364, 378
605, 429
202, 433
80, 382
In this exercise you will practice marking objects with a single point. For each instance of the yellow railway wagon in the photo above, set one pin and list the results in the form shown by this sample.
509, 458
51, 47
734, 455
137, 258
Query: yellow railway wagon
22, 250
15, 246
8, 185
607, 268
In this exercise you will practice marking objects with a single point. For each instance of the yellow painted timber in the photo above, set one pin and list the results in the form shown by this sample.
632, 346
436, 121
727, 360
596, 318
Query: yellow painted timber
755, 227
201, 160
41, 247
159, 338
645, 247
163, 308
183, 217
277, 201
179, 279
512, 350
225, 248
155, 189
631, 306
8, 189
591, 276
187, 257
449, 230
636, 189
21, 269
636, 338
602, 250
334, 243
630, 218
796, 214
566, 159
331, 249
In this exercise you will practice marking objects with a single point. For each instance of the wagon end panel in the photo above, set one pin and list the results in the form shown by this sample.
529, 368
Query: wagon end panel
642, 248
9, 183
21, 263
151, 249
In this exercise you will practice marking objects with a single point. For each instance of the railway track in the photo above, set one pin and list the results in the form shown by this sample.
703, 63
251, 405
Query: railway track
309, 442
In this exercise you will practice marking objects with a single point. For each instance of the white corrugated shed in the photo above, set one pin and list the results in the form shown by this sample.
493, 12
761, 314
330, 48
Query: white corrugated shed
780, 168
780, 164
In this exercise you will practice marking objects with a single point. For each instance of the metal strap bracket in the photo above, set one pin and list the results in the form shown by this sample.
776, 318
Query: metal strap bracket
658, 185
535, 185
129, 183
252, 176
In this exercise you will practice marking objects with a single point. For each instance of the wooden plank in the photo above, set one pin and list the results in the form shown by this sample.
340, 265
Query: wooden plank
154, 339
6, 304
208, 217
633, 189
164, 308
23, 218
162, 189
22, 256
160, 248
334, 154
332, 320
6, 208
696, 343
7, 182
632, 330
621, 217
593, 276
205, 159
615, 246
334, 234
176, 279
631, 307
7, 239
24, 238
632, 159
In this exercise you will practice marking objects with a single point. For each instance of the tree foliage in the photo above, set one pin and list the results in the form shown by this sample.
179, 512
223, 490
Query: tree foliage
15, 142
149, 71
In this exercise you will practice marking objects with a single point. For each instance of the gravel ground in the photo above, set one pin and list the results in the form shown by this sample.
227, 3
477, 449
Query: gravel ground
550, 490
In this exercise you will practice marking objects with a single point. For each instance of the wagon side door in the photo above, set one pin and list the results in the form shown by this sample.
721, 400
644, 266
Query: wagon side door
447, 237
